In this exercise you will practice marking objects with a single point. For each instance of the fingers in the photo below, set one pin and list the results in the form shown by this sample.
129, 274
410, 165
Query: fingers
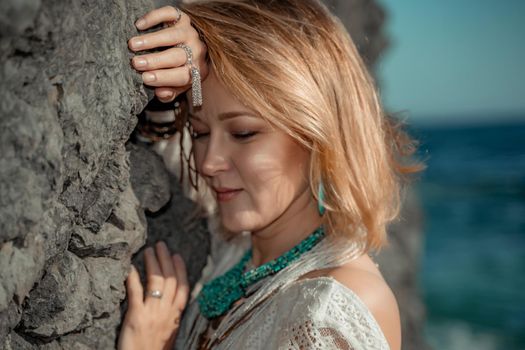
168, 275
160, 69
183, 288
174, 77
173, 57
168, 94
134, 288
166, 265
164, 37
167, 70
163, 14
154, 276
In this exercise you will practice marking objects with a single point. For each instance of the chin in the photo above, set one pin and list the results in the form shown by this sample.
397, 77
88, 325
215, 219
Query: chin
238, 225
235, 227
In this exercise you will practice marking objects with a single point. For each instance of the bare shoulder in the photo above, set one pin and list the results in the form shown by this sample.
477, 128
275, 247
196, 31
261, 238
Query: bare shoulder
365, 280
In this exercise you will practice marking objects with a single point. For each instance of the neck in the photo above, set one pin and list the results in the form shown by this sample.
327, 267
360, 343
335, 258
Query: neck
295, 224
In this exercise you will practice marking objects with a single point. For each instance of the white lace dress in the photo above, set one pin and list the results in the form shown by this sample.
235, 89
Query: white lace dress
285, 312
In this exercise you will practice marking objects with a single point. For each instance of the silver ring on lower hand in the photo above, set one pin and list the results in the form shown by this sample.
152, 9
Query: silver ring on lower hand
154, 294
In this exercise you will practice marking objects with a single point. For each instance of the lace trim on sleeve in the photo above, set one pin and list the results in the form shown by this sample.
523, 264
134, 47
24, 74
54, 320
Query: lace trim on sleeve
340, 320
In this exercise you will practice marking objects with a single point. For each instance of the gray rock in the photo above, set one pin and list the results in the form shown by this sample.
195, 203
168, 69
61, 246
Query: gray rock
9, 318
21, 265
101, 197
17, 15
56, 226
149, 178
68, 100
107, 289
101, 335
60, 302
31, 144
122, 235
364, 20
13, 341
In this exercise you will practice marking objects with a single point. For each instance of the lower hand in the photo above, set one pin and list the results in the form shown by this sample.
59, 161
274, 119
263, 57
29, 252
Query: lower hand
168, 69
150, 322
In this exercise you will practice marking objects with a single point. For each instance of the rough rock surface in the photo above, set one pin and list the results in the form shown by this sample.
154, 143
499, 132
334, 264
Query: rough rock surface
73, 194
77, 200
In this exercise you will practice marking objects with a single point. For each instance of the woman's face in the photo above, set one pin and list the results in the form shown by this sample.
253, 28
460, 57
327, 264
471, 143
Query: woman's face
256, 172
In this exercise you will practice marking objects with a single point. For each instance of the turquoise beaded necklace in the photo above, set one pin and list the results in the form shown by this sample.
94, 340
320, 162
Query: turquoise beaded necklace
218, 295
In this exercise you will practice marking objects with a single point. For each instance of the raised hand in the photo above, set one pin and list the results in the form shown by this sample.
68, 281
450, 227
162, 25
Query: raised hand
167, 70
152, 322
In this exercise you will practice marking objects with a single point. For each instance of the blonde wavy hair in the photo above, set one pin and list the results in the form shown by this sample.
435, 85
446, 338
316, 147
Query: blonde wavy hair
294, 63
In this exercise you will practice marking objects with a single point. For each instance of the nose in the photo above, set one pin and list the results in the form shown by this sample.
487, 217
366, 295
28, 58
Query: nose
216, 158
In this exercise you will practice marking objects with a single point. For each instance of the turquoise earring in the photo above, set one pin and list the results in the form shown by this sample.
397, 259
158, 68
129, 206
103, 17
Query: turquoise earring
320, 200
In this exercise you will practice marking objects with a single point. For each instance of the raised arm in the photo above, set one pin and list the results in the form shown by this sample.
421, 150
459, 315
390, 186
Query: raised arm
168, 71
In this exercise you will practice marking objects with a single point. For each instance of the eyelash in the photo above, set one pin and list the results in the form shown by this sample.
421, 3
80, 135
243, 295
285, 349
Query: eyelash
241, 136
244, 135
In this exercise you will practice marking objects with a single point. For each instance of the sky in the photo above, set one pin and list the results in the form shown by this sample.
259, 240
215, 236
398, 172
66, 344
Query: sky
454, 59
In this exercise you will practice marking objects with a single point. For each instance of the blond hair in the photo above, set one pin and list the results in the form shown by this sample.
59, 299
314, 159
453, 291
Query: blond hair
294, 63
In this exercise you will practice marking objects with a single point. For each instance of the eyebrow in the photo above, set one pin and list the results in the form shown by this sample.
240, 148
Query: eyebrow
225, 115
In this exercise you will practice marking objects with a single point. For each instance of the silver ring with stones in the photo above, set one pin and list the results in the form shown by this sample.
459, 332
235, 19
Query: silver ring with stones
154, 294
188, 51
195, 73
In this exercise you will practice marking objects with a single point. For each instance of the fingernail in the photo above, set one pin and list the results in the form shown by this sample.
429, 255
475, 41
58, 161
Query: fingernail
148, 77
165, 94
140, 62
137, 43
140, 23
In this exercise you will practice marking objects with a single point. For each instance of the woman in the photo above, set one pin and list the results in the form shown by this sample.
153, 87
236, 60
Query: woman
290, 137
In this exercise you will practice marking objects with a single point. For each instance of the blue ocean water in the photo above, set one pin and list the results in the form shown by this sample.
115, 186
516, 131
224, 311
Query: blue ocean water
473, 268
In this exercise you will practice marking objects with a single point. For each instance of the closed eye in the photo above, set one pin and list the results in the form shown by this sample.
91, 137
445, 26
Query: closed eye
244, 135
239, 135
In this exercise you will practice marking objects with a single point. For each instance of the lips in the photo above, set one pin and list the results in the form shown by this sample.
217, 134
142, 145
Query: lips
225, 194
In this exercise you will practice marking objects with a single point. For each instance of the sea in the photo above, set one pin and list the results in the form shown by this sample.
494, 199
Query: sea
472, 276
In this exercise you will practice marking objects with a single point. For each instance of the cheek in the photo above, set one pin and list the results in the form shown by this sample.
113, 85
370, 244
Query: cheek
276, 171
265, 167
